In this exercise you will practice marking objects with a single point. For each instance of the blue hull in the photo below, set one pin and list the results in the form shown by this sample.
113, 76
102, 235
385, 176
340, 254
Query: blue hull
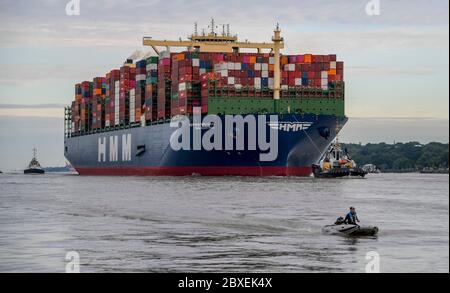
150, 152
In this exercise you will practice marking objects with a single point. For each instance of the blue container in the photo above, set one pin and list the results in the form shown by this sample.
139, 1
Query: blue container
141, 63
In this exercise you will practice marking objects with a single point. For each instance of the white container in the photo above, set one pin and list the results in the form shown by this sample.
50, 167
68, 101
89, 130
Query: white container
333, 65
324, 74
265, 74
202, 70
151, 67
195, 62
221, 66
325, 87
237, 66
231, 66
271, 60
182, 86
265, 67
258, 81
143, 124
258, 66
224, 73
164, 55
291, 67
141, 77
298, 81
238, 86
284, 87
107, 123
230, 80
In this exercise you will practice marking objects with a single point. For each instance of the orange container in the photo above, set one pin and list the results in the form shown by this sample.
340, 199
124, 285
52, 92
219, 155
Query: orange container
332, 72
308, 58
180, 57
271, 67
252, 59
284, 60
138, 115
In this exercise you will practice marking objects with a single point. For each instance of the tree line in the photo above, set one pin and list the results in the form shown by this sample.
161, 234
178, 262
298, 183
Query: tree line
411, 156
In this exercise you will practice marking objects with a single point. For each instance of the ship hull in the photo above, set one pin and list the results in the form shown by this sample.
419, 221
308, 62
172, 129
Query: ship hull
151, 153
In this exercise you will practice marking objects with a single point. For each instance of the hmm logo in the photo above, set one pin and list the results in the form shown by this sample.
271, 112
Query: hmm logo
113, 148
73, 8
290, 126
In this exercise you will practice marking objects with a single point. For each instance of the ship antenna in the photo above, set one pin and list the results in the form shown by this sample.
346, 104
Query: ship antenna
196, 29
212, 26
34, 152
223, 30
228, 30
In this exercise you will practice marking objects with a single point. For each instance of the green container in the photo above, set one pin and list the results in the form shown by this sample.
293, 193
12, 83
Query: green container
245, 105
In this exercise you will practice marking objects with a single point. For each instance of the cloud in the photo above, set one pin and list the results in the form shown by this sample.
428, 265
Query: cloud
123, 23
400, 71
31, 106
48, 111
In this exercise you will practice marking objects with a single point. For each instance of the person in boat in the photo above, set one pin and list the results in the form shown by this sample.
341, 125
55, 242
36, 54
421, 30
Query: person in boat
349, 164
351, 218
326, 165
339, 221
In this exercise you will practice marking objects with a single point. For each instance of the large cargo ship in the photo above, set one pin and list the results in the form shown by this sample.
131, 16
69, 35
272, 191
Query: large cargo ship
212, 109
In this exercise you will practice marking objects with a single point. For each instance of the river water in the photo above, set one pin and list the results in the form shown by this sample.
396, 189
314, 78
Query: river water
229, 224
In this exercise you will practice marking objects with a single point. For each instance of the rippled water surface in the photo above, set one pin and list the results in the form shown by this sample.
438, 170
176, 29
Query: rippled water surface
231, 224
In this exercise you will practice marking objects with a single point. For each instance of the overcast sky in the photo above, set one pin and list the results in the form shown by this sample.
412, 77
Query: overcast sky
396, 64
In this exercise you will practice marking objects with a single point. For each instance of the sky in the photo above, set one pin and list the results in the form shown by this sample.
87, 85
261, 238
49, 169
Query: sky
396, 63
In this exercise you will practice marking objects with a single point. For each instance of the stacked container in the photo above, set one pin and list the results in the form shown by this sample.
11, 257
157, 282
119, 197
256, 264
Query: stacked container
127, 83
164, 86
151, 91
85, 107
98, 103
139, 92
113, 80
158, 88
185, 83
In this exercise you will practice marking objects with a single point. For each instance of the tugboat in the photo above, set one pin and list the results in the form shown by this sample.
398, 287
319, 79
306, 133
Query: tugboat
337, 163
34, 167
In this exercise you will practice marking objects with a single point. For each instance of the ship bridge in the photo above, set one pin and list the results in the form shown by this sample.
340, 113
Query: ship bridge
214, 42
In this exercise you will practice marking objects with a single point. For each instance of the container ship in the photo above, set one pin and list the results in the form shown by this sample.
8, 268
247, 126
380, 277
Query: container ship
125, 123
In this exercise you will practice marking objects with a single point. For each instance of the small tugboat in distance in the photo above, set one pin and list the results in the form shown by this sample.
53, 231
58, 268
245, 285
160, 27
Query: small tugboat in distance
337, 163
34, 167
